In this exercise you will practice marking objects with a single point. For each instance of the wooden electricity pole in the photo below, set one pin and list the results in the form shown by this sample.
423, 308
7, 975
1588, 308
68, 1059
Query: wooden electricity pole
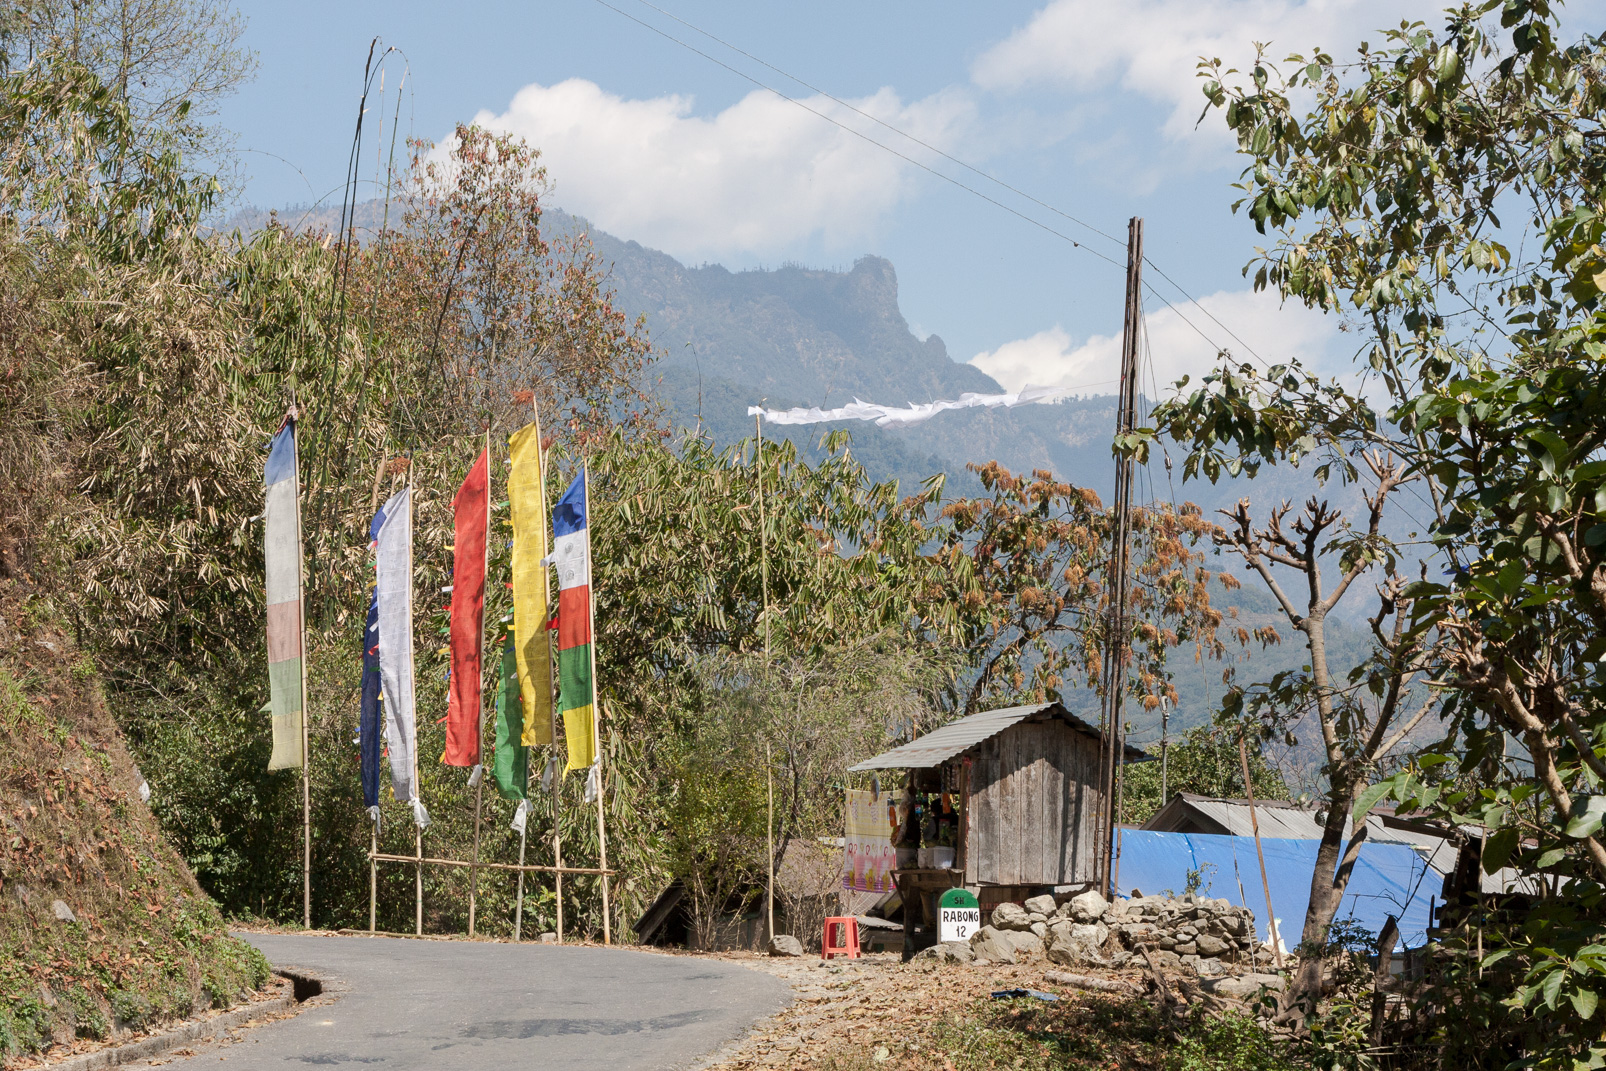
1111, 780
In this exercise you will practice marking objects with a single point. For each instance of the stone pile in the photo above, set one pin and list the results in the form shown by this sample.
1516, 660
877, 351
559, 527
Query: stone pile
1210, 937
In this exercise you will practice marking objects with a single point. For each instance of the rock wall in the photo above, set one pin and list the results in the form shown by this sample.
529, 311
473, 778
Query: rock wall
1210, 937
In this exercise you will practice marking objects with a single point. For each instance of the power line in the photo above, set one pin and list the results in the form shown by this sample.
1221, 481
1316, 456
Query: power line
1195, 302
927, 168
863, 136
888, 126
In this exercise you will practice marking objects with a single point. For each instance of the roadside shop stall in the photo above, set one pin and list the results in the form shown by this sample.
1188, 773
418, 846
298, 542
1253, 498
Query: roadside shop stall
1004, 804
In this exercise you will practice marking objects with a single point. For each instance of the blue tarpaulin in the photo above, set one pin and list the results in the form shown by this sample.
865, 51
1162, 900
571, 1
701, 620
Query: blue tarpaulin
1388, 879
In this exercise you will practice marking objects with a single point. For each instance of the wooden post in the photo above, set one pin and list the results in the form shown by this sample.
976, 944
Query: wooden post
557, 839
373, 864
596, 711
373, 877
1386, 940
769, 832
518, 909
418, 866
306, 753
474, 866
1111, 780
602, 838
1265, 883
479, 741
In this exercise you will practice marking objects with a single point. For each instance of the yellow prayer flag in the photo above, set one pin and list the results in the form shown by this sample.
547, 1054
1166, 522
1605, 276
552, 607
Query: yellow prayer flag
580, 732
526, 491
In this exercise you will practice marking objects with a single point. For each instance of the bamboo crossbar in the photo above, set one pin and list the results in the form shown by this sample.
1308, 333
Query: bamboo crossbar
382, 857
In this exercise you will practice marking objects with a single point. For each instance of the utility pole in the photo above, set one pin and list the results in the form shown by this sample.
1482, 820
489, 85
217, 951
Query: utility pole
1111, 779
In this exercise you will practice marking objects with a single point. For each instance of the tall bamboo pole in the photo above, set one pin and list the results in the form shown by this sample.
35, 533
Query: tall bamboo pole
373, 877
596, 711
552, 707
306, 754
769, 834
764, 579
479, 740
557, 839
1265, 883
518, 909
540, 479
418, 830
763, 538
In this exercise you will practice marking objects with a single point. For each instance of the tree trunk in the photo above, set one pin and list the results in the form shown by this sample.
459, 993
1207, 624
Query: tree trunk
1328, 880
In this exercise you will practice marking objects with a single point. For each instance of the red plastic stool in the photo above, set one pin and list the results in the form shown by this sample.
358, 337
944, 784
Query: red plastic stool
850, 937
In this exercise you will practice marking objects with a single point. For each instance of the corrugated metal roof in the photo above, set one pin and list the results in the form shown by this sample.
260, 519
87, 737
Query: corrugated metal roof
1282, 819
957, 737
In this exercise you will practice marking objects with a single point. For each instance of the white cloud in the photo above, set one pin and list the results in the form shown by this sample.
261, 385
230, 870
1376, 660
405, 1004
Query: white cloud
1174, 348
1152, 47
755, 178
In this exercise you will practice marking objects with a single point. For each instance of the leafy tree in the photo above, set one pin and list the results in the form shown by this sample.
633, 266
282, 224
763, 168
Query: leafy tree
1206, 762
808, 718
1446, 190
1022, 585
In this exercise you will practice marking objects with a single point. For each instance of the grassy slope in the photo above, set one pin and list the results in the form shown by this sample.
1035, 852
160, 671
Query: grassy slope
144, 943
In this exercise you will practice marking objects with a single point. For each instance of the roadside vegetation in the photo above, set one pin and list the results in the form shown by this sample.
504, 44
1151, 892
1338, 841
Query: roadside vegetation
1442, 194
102, 926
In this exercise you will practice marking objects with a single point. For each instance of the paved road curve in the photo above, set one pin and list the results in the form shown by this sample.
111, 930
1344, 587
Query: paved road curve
440, 1004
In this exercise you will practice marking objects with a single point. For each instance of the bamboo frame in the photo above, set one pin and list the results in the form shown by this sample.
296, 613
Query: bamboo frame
558, 870
533, 868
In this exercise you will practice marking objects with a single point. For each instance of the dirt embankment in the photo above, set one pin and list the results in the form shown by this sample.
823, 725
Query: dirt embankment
103, 930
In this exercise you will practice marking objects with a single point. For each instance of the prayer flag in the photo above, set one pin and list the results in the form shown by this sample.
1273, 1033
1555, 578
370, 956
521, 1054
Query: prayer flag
394, 594
368, 721
282, 553
526, 492
509, 765
571, 553
471, 515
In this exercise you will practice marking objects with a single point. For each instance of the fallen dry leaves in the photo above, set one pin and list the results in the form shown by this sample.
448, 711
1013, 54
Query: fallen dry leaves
876, 1008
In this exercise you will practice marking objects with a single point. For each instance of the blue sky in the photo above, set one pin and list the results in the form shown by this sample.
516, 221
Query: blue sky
1088, 105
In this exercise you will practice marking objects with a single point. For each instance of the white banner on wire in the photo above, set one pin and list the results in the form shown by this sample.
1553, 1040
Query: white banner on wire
887, 416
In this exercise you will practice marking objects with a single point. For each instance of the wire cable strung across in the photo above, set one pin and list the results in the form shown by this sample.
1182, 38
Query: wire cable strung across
930, 170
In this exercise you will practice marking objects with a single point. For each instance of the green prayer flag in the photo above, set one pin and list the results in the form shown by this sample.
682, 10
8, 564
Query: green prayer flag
509, 765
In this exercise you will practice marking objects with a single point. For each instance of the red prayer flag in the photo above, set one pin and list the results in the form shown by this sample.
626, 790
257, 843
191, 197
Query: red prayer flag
470, 509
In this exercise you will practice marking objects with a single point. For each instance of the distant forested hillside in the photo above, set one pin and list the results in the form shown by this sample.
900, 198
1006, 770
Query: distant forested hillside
795, 336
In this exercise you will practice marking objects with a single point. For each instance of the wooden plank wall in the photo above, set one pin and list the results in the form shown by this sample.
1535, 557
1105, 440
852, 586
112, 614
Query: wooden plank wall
1033, 806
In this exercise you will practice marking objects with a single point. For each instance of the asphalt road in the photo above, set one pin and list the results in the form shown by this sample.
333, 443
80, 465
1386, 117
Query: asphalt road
446, 1004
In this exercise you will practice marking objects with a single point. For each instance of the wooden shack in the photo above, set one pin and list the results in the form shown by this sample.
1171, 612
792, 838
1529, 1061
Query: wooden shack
1028, 796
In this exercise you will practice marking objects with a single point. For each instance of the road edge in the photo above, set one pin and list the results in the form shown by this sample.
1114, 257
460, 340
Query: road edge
303, 986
